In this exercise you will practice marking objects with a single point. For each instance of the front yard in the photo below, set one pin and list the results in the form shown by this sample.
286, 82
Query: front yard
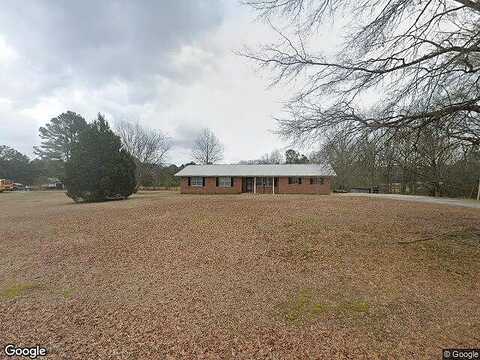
241, 276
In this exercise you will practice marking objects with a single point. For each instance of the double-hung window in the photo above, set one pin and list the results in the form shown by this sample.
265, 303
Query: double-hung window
196, 181
316, 180
225, 181
294, 180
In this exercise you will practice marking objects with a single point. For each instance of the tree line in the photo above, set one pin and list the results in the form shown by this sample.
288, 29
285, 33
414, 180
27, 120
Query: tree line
276, 157
148, 148
429, 163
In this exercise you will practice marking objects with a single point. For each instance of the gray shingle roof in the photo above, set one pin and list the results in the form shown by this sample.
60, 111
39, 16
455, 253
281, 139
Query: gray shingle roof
257, 170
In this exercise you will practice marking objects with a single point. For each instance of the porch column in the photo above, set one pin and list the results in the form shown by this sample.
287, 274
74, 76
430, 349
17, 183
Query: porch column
254, 185
273, 185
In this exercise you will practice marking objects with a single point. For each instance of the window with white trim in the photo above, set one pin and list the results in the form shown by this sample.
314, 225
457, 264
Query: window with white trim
196, 181
225, 181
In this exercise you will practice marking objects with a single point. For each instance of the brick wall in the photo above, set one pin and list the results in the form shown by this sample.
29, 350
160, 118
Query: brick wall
283, 187
305, 187
211, 187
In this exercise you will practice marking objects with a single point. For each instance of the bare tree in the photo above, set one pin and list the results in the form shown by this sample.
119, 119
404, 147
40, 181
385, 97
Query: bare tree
275, 157
207, 148
149, 147
436, 153
420, 59
427, 162
339, 151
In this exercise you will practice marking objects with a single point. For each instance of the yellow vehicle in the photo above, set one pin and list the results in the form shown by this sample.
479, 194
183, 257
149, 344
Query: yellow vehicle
6, 185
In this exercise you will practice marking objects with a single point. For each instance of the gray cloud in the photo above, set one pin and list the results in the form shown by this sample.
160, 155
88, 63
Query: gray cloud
93, 42
185, 136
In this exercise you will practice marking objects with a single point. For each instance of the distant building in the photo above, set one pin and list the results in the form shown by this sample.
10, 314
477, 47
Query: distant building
262, 179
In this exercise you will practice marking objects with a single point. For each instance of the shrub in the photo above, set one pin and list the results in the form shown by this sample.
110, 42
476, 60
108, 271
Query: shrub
99, 169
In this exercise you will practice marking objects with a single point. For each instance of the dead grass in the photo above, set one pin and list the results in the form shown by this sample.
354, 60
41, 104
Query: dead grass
164, 275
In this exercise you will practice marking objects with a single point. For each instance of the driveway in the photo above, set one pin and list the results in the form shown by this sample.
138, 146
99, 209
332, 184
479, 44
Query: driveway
424, 199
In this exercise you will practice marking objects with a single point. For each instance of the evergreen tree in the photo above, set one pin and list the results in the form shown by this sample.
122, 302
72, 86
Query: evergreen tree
293, 157
59, 136
15, 165
99, 168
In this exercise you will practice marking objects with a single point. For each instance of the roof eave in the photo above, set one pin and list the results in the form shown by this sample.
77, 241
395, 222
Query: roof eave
257, 175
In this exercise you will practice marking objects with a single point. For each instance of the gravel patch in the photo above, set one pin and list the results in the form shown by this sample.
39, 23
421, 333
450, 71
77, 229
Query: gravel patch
470, 203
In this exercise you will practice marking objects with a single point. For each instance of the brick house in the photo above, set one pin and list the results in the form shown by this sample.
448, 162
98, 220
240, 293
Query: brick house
236, 179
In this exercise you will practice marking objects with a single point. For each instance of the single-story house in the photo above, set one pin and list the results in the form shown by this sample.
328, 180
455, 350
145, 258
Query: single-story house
264, 179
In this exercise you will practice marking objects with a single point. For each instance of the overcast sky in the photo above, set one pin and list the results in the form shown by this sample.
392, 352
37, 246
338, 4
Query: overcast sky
168, 64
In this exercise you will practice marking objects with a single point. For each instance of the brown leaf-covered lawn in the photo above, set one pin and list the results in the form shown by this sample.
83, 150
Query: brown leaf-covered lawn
164, 275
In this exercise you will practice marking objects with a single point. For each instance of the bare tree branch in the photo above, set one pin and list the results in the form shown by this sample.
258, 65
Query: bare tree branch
148, 147
207, 148
420, 59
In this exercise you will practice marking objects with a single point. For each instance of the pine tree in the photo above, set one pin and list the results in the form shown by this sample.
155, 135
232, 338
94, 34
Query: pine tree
99, 168
59, 136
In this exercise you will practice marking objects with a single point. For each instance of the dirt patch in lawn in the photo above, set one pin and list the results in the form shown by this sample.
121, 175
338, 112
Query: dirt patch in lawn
164, 275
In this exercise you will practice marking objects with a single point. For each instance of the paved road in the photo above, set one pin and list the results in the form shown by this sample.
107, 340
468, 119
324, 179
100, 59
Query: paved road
425, 199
